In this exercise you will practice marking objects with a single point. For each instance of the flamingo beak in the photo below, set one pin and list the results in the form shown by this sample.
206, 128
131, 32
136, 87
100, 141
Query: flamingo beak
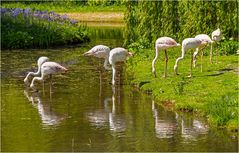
130, 54
86, 54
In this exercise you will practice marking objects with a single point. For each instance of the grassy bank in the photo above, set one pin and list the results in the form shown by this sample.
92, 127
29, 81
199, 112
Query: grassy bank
64, 7
29, 28
212, 93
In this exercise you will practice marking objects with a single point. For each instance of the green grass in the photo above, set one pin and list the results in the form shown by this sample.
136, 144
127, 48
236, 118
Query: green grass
65, 8
212, 93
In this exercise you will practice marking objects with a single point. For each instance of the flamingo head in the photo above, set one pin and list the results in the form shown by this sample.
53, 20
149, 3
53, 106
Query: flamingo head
178, 44
130, 54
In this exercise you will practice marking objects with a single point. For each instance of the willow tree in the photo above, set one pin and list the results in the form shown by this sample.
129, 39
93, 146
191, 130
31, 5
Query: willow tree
179, 19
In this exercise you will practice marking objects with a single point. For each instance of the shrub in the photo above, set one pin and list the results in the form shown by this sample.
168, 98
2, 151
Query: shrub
28, 28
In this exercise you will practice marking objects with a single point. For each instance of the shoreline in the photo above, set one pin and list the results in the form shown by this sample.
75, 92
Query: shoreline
113, 17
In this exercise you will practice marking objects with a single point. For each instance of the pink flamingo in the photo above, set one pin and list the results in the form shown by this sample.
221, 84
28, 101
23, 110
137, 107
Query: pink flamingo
40, 61
216, 37
117, 55
188, 43
100, 51
48, 68
205, 38
163, 43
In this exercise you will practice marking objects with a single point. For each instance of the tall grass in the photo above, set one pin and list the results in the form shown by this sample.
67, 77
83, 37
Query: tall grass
29, 28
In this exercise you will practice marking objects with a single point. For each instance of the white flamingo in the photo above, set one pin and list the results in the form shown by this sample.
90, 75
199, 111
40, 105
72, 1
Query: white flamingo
117, 55
188, 43
100, 51
40, 61
205, 38
163, 43
216, 36
48, 68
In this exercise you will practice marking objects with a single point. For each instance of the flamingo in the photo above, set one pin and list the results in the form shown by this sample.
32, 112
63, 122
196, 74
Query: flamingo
100, 51
205, 38
188, 43
163, 43
117, 55
40, 61
48, 68
216, 36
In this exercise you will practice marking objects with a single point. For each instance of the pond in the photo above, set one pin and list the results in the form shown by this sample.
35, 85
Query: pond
85, 113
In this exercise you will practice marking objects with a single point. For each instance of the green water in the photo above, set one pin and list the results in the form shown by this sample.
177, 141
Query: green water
85, 113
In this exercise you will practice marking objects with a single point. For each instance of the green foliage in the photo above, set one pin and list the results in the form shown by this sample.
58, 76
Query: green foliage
227, 47
70, 5
37, 29
149, 20
223, 110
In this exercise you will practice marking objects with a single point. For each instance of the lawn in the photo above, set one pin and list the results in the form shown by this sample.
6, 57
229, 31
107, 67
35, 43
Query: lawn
212, 93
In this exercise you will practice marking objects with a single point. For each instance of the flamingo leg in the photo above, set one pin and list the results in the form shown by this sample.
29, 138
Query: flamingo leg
201, 59
177, 61
166, 63
154, 60
191, 67
216, 53
211, 54
50, 84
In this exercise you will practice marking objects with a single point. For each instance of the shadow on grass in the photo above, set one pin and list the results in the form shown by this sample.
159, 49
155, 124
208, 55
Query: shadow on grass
220, 72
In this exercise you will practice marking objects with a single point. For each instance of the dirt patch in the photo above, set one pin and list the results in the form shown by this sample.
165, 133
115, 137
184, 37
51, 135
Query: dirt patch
97, 16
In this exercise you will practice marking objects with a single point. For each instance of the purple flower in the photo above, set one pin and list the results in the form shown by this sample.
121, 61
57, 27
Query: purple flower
16, 12
27, 11
73, 21
3, 10
64, 17
46, 16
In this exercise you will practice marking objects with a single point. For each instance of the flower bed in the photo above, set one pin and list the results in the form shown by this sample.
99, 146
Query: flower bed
29, 28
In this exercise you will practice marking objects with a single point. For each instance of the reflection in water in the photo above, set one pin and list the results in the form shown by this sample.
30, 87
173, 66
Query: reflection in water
48, 117
108, 116
117, 121
165, 127
167, 123
192, 128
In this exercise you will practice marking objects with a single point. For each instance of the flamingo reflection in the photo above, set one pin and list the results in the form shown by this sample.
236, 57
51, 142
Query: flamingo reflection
48, 117
191, 128
165, 127
108, 116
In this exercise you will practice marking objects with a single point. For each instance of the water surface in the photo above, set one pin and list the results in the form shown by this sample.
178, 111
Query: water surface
85, 113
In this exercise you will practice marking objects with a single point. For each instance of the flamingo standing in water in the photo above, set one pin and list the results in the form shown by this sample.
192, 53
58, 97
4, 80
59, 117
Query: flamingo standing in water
163, 43
48, 68
188, 43
216, 36
100, 51
117, 55
40, 61
205, 38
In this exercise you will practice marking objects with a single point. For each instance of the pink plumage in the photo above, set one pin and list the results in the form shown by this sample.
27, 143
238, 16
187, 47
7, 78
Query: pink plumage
163, 43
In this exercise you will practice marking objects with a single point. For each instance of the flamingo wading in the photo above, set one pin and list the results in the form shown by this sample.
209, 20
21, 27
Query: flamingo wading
216, 37
100, 51
163, 43
188, 43
40, 61
205, 38
117, 55
48, 68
